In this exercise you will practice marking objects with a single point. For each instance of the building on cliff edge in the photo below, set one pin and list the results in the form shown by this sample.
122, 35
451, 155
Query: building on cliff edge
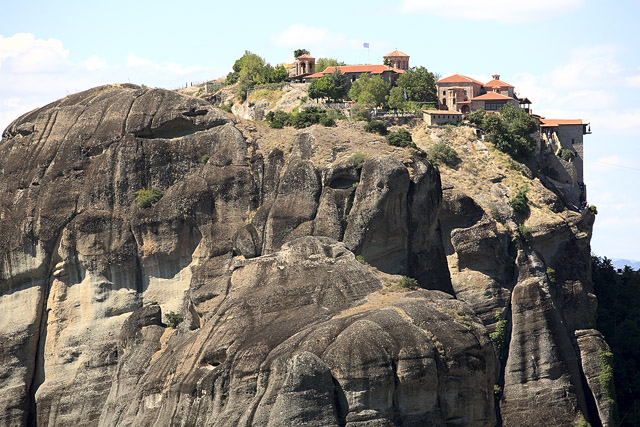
463, 95
395, 63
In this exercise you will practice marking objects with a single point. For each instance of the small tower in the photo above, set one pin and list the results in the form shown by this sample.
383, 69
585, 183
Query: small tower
399, 60
305, 64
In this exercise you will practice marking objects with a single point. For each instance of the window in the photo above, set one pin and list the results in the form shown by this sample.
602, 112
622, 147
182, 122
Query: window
494, 105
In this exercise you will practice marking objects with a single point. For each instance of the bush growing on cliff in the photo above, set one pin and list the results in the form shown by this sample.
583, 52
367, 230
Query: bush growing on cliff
605, 363
499, 336
278, 119
408, 283
565, 154
360, 113
525, 236
302, 119
174, 319
145, 197
441, 153
376, 126
357, 159
400, 138
520, 202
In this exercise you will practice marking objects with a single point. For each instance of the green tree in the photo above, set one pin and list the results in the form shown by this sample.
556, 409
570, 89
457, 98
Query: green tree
396, 98
300, 52
477, 117
511, 130
324, 63
419, 84
517, 121
250, 70
332, 86
321, 88
279, 74
369, 91
248, 65
340, 85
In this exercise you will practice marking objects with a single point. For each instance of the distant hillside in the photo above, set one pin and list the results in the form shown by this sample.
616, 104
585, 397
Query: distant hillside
621, 263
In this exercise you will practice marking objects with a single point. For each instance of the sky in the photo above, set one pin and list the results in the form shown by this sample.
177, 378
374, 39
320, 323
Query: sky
572, 58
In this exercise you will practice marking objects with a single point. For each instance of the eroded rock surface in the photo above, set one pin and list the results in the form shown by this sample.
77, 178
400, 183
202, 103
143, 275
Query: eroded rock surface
254, 246
527, 275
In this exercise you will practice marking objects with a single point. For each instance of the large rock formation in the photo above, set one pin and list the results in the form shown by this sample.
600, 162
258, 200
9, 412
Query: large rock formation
532, 274
254, 241
279, 325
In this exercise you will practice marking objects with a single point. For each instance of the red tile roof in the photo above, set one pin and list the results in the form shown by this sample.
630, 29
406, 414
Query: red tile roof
305, 56
491, 96
344, 69
459, 78
497, 83
396, 53
556, 122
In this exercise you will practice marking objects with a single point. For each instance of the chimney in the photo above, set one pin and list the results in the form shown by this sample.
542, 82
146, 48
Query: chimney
496, 76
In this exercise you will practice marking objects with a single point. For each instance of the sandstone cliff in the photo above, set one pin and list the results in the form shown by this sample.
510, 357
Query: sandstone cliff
254, 242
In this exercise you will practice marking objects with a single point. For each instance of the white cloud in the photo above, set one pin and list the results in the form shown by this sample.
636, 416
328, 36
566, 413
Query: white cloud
23, 53
134, 61
21, 43
528, 85
588, 86
594, 66
617, 122
34, 72
506, 11
633, 81
298, 35
95, 63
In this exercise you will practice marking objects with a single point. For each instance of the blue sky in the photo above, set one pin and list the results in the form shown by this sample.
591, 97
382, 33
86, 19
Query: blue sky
572, 58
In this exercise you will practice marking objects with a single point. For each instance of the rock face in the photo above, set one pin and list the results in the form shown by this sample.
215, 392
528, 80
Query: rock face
281, 322
254, 243
531, 273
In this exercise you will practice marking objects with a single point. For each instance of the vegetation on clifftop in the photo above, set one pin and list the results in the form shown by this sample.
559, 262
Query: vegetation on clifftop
510, 130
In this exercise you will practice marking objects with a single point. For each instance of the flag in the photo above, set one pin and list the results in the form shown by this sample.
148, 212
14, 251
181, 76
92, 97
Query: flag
365, 45
405, 94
